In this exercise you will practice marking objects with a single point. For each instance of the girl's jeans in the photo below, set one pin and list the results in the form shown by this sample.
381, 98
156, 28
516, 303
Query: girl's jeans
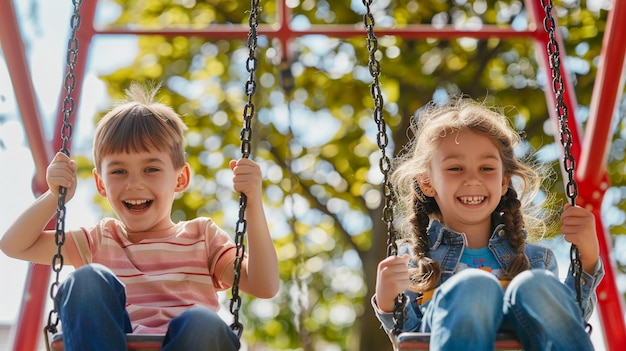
92, 308
469, 309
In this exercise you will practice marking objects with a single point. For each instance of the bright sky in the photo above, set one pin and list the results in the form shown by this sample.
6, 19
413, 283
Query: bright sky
47, 42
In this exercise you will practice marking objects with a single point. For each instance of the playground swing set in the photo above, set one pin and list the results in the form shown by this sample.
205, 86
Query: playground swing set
610, 304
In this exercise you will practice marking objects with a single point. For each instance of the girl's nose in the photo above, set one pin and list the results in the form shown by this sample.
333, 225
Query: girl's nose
471, 179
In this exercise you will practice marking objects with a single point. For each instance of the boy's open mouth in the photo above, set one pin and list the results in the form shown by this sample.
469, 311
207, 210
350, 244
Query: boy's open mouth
137, 205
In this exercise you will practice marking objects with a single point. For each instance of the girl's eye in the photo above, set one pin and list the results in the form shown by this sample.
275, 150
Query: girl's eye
454, 169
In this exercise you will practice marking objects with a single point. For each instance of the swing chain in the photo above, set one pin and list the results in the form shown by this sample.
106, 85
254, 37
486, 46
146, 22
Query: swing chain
246, 136
66, 136
384, 162
558, 88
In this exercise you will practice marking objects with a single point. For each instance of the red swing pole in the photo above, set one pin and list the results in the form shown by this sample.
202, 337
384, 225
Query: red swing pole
27, 334
591, 171
592, 175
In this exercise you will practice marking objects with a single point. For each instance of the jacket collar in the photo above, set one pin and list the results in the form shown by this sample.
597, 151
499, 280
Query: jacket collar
438, 233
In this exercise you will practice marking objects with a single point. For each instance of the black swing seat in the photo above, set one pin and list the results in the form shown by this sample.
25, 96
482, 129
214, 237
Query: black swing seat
134, 342
409, 341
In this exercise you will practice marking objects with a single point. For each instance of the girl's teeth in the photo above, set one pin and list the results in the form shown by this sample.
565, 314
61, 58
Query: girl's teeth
472, 200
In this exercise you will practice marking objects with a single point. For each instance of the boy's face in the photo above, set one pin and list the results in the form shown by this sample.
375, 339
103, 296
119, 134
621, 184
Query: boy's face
141, 187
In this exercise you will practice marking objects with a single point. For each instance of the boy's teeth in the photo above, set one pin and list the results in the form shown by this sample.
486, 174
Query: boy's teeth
136, 202
472, 200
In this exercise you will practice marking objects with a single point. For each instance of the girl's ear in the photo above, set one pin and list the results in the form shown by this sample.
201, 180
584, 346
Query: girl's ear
99, 183
506, 181
184, 177
427, 188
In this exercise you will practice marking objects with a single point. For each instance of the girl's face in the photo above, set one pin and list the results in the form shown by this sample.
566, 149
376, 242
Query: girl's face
466, 179
141, 187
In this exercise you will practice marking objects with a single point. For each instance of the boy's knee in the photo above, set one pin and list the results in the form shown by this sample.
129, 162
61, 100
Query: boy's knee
93, 274
200, 316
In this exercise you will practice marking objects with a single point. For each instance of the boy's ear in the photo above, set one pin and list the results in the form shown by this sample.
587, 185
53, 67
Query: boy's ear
184, 177
99, 183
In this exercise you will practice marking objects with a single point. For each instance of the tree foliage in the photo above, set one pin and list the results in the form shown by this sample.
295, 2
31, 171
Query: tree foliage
316, 139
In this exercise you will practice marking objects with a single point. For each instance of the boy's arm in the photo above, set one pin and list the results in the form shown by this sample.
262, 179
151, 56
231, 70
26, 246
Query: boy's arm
26, 238
259, 272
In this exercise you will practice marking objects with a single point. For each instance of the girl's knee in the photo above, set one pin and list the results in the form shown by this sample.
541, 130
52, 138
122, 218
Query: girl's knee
476, 279
463, 288
534, 281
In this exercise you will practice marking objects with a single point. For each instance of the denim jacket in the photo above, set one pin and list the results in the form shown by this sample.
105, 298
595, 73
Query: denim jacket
446, 246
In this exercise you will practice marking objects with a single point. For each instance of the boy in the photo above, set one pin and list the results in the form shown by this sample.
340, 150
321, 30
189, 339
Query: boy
142, 272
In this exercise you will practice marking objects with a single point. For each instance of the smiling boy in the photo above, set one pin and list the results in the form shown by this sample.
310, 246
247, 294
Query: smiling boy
141, 272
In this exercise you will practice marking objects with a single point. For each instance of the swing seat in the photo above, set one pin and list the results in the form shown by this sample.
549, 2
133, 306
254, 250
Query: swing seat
409, 341
134, 342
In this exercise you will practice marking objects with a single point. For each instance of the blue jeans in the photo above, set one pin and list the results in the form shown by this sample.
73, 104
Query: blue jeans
92, 307
468, 310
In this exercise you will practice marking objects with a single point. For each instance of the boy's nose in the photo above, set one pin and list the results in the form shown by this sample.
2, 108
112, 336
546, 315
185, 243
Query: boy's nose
134, 182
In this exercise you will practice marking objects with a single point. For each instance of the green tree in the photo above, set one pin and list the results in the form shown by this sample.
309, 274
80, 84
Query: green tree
316, 139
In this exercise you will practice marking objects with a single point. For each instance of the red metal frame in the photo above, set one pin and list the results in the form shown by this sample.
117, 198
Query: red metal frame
590, 151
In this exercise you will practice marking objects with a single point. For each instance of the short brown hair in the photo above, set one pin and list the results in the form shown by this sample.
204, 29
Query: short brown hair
140, 124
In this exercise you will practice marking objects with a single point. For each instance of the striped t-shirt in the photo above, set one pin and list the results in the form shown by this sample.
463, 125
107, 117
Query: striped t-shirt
164, 276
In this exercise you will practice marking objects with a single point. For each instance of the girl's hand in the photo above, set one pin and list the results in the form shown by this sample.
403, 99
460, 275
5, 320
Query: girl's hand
62, 173
578, 226
247, 177
392, 278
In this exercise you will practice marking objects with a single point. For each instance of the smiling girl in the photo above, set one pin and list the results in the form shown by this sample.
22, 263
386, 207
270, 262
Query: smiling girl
467, 267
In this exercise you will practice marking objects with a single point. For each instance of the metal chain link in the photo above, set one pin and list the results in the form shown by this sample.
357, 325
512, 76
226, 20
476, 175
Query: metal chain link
246, 136
384, 163
66, 136
571, 188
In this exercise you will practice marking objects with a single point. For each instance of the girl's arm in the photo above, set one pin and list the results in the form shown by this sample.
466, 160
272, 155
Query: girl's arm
259, 272
392, 278
26, 238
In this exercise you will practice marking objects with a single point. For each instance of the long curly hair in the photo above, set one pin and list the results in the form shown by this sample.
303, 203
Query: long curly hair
414, 210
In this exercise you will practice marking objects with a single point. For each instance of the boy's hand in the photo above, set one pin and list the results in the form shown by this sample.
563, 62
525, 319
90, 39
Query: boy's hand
392, 278
62, 172
247, 177
578, 226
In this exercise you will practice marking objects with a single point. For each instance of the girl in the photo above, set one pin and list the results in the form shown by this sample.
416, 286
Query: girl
457, 188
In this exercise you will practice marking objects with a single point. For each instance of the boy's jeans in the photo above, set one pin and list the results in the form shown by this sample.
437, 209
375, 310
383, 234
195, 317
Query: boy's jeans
92, 308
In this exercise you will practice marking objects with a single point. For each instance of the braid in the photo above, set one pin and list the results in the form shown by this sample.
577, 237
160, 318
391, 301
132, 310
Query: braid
513, 220
428, 272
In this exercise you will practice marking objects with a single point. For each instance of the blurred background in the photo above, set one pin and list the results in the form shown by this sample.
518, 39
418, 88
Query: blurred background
313, 132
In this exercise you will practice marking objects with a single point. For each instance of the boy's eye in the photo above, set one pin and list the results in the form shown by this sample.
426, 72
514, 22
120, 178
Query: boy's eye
118, 171
152, 169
